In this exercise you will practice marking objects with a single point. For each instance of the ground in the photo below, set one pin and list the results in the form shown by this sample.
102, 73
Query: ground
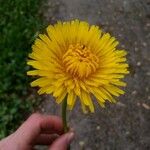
125, 125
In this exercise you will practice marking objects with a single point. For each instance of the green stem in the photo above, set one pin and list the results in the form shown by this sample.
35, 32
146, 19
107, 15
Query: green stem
64, 117
64, 112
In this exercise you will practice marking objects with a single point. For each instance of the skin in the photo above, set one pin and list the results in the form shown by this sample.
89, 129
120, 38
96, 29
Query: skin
38, 130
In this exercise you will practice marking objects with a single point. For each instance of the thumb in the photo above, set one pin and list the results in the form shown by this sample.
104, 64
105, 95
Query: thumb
62, 142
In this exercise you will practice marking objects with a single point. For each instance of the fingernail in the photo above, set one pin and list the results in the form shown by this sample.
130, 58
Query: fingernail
70, 137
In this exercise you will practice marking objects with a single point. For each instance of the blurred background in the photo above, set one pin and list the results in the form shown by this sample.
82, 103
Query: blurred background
121, 126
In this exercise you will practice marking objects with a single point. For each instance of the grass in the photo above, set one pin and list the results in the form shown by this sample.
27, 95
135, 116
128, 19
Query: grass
19, 23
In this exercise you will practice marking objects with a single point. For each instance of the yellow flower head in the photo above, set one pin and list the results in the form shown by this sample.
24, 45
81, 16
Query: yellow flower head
78, 60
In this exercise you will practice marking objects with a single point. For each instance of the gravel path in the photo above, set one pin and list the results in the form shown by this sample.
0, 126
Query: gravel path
124, 126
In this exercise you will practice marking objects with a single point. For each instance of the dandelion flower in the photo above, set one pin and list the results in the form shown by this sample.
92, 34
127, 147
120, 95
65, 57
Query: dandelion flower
78, 60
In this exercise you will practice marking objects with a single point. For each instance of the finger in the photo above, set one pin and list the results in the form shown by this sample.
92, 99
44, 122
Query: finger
62, 142
52, 124
37, 124
46, 139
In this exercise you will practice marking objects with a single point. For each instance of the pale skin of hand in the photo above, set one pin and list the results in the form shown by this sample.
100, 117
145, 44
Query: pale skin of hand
38, 130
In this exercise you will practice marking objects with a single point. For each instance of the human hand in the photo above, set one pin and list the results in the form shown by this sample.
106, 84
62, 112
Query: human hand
38, 130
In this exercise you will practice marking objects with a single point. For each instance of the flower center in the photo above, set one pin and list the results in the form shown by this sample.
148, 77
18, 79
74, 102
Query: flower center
79, 61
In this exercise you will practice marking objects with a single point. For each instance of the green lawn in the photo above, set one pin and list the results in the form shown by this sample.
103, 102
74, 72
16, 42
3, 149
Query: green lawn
19, 25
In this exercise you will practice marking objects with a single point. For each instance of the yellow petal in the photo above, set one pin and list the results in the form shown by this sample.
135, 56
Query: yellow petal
109, 97
58, 91
41, 82
114, 90
32, 73
71, 99
117, 82
46, 89
96, 93
61, 97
